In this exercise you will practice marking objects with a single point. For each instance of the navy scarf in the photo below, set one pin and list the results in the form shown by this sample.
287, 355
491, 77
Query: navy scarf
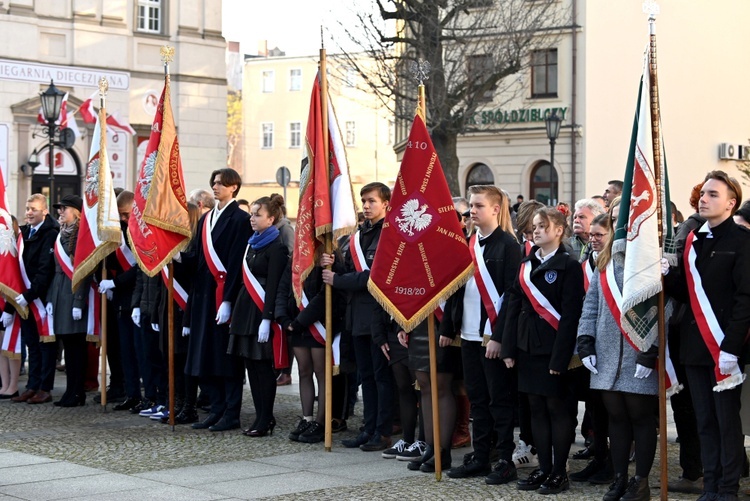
260, 240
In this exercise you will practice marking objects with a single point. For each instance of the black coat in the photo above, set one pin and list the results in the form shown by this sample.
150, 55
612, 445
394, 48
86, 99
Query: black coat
722, 262
526, 330
147, 295
207, 351
122, 294
267, 265
39, 258
64, 298
502, 255
360, 303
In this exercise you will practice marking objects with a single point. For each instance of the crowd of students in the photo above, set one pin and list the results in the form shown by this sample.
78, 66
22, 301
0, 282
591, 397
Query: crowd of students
535, 330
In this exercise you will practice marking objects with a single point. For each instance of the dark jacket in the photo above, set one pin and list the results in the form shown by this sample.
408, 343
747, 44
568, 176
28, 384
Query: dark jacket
39, 258
122, 294
64, 299
526, 330
286, 232
502, 255
360, 303
147, 295
722, 262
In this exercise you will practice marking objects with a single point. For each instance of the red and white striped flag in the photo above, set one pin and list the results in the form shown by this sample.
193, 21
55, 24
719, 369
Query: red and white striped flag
11, 282
99, 233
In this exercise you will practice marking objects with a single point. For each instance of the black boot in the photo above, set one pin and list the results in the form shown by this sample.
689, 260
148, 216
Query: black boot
617, 489
638, 490
417, 463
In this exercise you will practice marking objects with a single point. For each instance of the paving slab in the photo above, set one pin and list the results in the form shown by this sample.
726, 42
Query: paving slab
77, 487
214, 473
374, 471
309, 460
46, 471
274, 485
11, 459
161, 493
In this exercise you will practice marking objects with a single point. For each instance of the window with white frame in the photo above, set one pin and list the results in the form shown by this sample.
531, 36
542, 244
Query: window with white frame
295, 79
351, 133
268, 80
295, 134
149, 16
267, 133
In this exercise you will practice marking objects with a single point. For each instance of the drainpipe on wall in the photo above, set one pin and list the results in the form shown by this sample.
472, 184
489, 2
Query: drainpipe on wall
573, 104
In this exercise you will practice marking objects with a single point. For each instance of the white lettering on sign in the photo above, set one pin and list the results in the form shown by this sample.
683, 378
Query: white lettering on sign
62, 75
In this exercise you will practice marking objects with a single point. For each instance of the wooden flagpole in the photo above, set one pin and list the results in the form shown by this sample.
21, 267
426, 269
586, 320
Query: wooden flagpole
432, 340
651, 8
103, 342
170, 331
328, 249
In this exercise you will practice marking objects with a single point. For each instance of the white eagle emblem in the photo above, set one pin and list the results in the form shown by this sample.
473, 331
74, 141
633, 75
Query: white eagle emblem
148, 173
413, 217
7, 238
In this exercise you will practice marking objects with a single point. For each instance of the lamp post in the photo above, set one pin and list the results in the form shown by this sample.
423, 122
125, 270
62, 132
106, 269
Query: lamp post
552, 123
51, 103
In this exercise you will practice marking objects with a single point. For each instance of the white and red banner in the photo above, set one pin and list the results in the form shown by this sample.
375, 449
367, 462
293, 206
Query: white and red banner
11, 282
358, 257
180, 294
100, 232
11, 345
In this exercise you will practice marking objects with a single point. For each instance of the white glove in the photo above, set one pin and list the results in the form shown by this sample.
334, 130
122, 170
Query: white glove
225, 311
155, 327
642, 372
177, 258
664, 266
110, 295
21, 301
106, 285
185, 331
264, 331
7, 319
727, 362
77, 313
50, 309
590, 363
136, 316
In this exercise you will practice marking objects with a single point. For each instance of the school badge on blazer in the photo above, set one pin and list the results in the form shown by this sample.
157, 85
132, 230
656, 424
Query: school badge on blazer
550, 276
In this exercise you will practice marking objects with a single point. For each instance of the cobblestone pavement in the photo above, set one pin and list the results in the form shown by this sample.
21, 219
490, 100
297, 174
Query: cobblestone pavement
123, 443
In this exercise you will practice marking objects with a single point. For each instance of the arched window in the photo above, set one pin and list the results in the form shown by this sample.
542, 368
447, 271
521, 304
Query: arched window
479, 174
544, 184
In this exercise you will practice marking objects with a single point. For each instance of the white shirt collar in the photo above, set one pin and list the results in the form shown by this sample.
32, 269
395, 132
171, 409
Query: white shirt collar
538, 255
216, 213
36, 228
706, 229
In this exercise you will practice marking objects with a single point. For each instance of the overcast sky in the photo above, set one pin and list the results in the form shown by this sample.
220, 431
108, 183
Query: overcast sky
292, 25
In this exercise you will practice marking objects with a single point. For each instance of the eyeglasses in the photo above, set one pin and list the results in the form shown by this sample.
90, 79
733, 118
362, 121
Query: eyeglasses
597, 236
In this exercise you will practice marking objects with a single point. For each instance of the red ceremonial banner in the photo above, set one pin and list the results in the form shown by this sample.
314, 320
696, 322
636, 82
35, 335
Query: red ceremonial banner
422, 257
11, 282
159, 225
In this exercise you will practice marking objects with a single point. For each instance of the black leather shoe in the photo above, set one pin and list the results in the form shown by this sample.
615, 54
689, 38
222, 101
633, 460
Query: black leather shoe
503, 472
225, 425
5, 396
555, 484
605, 475
593, 467
355, 442
186, 417
415, 464
617, 489
445, 462
586, 453
638, 490
533, 481
210, 420
127, 404
471, 468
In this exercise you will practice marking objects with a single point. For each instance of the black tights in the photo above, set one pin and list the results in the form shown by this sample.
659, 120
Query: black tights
262, 379
407, 398
631, 417
312, 361
552, 425
446, 407
75, 352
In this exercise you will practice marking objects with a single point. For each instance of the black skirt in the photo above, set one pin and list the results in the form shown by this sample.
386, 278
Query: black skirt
419, 353
304, 340
534, 376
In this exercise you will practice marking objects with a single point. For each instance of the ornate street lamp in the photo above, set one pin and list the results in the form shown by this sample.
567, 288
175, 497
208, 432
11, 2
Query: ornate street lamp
52, 99
552, 123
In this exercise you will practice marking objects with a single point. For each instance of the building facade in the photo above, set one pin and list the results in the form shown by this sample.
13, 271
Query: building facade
74, 43
590, 77
276, 102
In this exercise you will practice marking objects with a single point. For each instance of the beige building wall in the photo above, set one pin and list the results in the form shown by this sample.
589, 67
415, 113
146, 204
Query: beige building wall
370, 157
102, 36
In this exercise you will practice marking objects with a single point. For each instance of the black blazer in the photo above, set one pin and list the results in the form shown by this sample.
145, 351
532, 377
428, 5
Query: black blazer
526, 330
39, 258
502, 255
723, 263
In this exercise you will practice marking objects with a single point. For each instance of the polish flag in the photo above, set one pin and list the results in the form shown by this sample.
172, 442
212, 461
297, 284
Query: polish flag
115, 122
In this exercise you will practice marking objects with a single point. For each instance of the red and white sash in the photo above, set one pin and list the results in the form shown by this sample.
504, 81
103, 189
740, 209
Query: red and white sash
258, 295
527, 246
11, 347
43, 323
492, 300
180, 294
215, 265
538, 301
318, 332
613, 298
705, 318
93, 319
124, 255
588, 271
358, 257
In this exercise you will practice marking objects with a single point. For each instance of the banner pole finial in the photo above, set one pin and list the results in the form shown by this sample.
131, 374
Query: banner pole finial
167, 56
103, 88
420, 69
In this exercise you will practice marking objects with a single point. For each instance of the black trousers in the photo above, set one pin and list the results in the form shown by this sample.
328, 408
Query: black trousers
489, 386
225, 395
377, 386
717, 415
76, 353
42, 357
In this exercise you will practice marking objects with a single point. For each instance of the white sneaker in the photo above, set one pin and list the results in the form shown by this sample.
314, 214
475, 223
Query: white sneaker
161, 414
153, 410
523, 457
396, 449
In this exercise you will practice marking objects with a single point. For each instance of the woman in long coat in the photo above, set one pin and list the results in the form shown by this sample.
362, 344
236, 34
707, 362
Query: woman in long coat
69, 311
250, 334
